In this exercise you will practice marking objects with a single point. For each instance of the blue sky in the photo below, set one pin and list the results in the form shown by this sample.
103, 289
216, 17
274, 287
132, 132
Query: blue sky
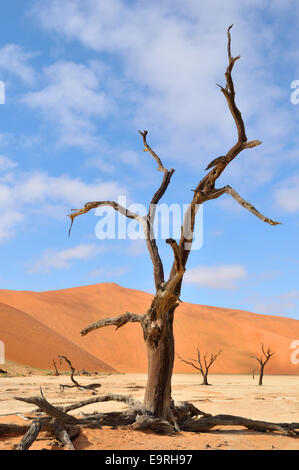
81, 77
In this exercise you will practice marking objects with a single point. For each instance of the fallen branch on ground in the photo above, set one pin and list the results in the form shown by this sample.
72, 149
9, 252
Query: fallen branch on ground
185, 417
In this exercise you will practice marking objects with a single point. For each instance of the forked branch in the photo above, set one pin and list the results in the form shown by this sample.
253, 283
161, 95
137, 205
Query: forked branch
191, 363
208, 361
149, 221
264, 358
203, 365
177, 255
205, 189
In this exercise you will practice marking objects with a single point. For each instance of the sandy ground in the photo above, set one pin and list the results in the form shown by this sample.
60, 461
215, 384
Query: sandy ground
277, 401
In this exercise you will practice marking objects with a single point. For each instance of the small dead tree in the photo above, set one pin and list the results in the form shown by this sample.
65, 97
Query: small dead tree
76, 384
262, 360
203, 365
55, 368
157, 322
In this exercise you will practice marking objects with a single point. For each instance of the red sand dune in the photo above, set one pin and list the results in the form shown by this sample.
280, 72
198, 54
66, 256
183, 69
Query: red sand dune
29, 342
65, 312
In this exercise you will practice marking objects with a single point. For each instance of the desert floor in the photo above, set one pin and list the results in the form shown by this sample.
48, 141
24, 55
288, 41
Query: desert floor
277, 401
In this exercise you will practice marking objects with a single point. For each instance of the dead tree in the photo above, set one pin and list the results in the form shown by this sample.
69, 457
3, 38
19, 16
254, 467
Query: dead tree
76, 384
55, 367
157, 322
262, 360
203, 366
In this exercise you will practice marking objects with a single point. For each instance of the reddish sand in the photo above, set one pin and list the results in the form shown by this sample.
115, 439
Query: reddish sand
48, 323
240, 395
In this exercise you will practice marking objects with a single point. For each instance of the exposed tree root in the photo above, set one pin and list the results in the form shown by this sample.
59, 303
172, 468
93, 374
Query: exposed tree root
150, 423
63, 436
184, 417
204, 424
13, 429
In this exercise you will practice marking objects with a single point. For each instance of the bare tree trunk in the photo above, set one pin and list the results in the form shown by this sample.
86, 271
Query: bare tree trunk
263, 359
160, 354
261, 376
205, 379
55, 367
203, 365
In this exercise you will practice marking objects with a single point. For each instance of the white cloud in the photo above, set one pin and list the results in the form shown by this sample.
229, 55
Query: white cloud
287, 195
71, 98
52, 259
26, 194
110, 273
100, 164
8, 221
281, 304
6, 163
216, 277
14, 60
137, 248
39, 187
174, 53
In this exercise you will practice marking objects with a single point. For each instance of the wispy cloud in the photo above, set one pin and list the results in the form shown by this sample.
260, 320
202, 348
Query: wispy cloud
14, 60
25, 194
10, 218
110, 273
51, 259
282, 304
71, 98
174, 59
6, 163
216, 277
287, 195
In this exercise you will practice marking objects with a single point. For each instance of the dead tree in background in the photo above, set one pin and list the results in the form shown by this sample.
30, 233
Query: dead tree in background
203, 366
157, 322
55, 367
263, 359
76, 384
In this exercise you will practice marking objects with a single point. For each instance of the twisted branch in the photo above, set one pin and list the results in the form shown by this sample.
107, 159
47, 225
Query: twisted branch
147, 148
119, 321
93, 386
93, 205
149, 221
